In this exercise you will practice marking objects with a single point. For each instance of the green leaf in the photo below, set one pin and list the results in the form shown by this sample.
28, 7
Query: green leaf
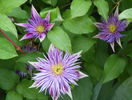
41, 96
125, 4
129, 68
94, 71
20, 66
19, 13
89, 56
126, 14
113, 67
67, 14
51, 2
54, 14
80, 25
107, 91
103, 8
8, 79
130, 54
7, 50
12, 95
96, 90
81, 92
101, 53
82, 43
128, 49
80, 7
60, 39
124, 91
4, 63
6, 6
45, 44
29, 57
7, 25
84, 90
29, 93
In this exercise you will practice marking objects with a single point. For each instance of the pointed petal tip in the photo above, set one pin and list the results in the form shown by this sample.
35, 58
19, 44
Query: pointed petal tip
21, 39
119, 42
79, 53
54, 98
51, 26
21, 24
34, 13
116, 11
32, 86
33, 8
96, 36
31, 63
48, 14
82, 75
51, 47
40, 91
27, 36
47, 18
42, 38
112, 46
95, 23
70, 94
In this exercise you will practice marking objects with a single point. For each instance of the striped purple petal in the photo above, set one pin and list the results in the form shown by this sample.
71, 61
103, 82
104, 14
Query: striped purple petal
36, 26
56, 72
111, 30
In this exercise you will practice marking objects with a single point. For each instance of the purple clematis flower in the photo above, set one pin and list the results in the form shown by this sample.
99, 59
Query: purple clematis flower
57, 72
111, 30
36, 26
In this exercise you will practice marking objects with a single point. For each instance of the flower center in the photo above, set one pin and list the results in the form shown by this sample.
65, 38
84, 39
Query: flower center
40, 29
112, 28
57, 69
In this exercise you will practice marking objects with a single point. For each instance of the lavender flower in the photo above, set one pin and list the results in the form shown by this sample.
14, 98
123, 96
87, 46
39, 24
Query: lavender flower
57, 72
111, 30
36, 26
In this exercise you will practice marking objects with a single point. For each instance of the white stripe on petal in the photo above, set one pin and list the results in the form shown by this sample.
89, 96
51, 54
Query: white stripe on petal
27, 36
96, 36
47, 18
119, 42
50, 26
112, 46
22, 24
55, 98
70, 94
42, 37
33, 63
35, 14
116, 12
33, 85
51, 48
82, 75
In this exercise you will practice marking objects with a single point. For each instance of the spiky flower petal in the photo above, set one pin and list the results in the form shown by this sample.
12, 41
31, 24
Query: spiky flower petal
57, 72
111, 30
36, 26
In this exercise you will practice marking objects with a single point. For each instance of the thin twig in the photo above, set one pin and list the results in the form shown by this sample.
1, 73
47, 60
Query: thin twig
16, 46
116, 5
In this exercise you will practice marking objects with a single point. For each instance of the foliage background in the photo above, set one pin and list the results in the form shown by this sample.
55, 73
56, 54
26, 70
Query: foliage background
110, 74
